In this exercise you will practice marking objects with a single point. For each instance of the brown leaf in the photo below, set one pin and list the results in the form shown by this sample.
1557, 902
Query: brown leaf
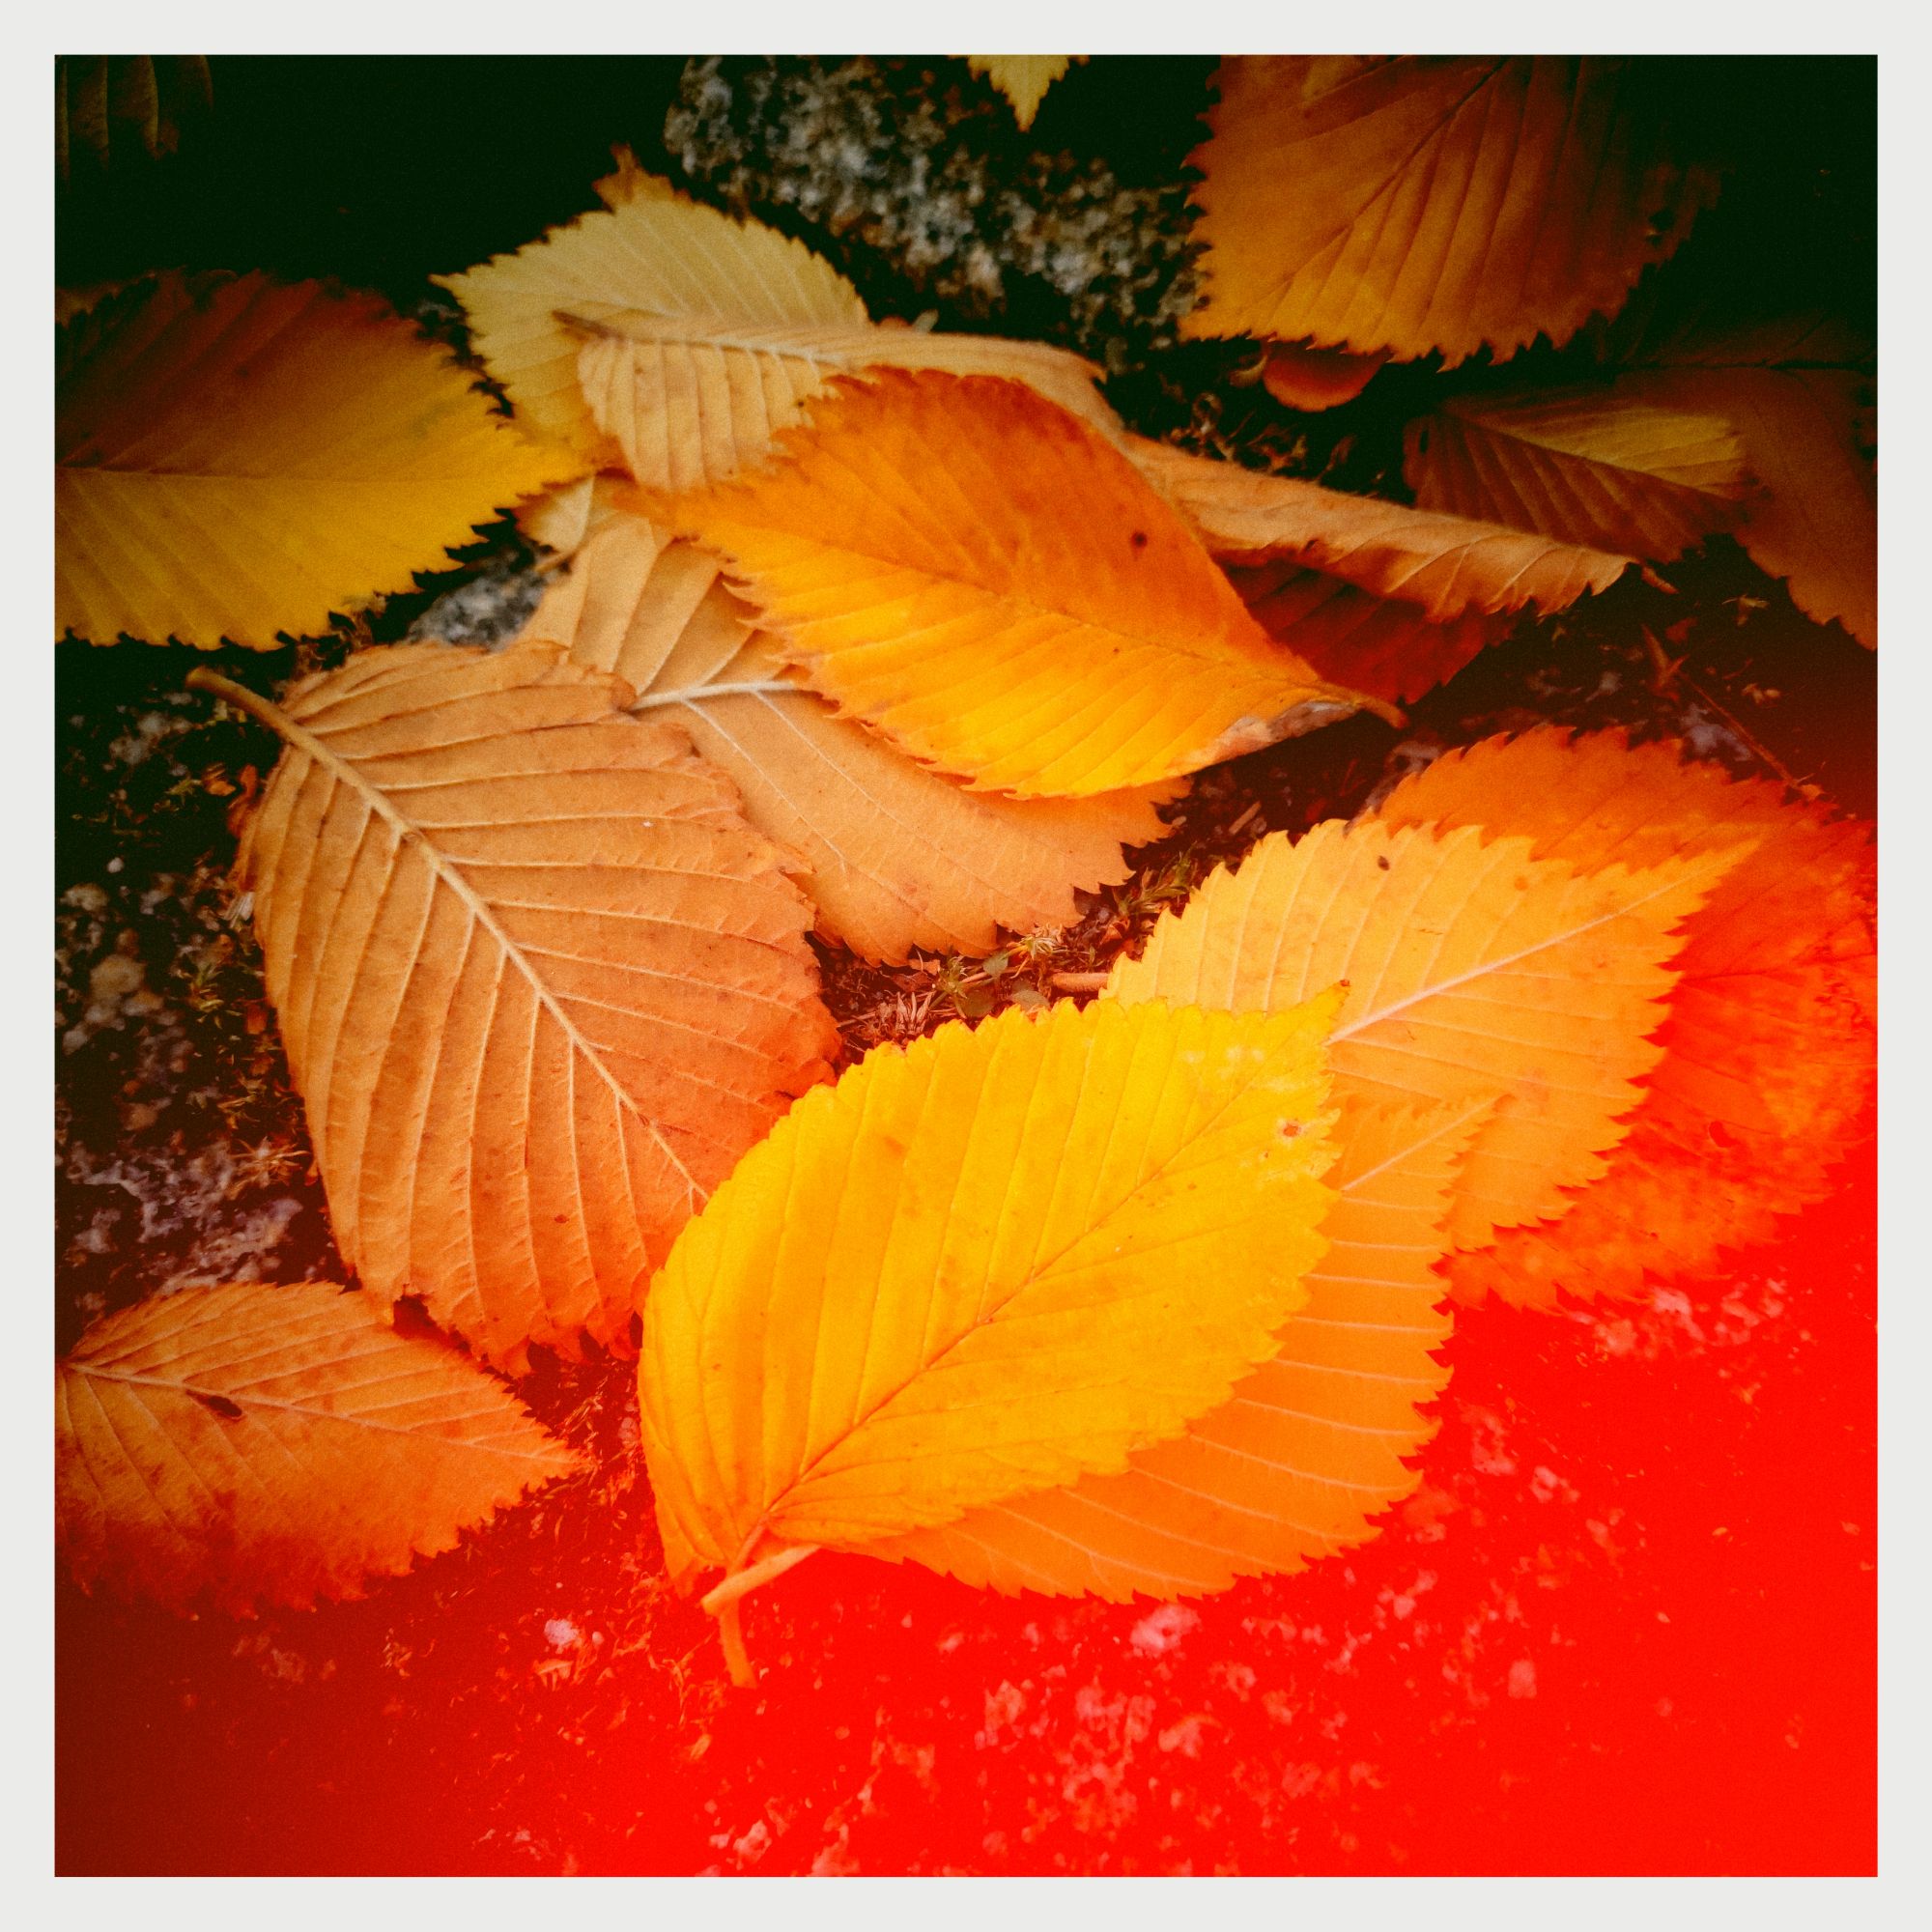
540, 983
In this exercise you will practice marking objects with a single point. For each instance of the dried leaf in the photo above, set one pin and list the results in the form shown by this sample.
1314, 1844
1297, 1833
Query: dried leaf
1425, 203
1472, 969
540, 983
1617, 467
1310, 1447
198, 426
980, 576
276, 1442
899, 856
1446, 566
1023, 79
651, 251
691, 400
991, 1263
1767, 1051
1300, 378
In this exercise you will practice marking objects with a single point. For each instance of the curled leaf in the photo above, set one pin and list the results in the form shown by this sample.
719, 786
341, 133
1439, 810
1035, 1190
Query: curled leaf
284, 1443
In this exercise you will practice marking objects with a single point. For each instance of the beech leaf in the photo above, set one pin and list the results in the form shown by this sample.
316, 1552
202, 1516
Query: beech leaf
989, 1263
1767, 1053
539, 981
899, 856
983, 578
1023, 79
1309, 1447
1472, 969
283, 1443
1433, 203
199, 425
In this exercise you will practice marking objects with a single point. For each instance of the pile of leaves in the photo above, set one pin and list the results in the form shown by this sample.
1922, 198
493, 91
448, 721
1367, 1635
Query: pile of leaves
862, 635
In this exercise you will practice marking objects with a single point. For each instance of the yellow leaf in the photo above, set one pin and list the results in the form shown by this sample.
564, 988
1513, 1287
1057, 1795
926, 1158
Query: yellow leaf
653, 252
980, 575
989, 1263
691, 400
276, 1442
245, 458
1308, 1449
1429, 202
539, 983
899, 856
1023, 79
1472, 969
1446, 566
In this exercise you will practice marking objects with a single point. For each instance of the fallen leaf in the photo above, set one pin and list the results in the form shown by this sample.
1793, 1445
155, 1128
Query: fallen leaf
1433, 203
983, 578
1446, 566
1300, 378
1616, 467
1767, 1053
101, 101
993, 1262
539, 983
899, 856
200, 423
1308, 1450
1023, 79
278, 1443
1472, 968
651, 251
691, 400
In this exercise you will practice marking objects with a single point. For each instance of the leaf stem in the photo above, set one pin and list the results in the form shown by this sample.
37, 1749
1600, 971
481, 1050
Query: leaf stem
702, 694
200, 678
741, 1582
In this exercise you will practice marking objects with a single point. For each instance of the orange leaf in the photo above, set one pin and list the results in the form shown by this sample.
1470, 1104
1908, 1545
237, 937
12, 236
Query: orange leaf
1307, 1450
241, 458
1300, 378
899, 856
277, 1442
1767, 1051
1425, 203
540, 983
990, 583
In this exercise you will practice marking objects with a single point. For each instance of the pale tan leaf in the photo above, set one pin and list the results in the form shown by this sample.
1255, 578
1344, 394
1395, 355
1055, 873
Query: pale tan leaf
276, 1442
1444, 565
691, 400
1431, 202
654, 252
1472, 969
1023, 79
1307, 1450
899, 856
540, 983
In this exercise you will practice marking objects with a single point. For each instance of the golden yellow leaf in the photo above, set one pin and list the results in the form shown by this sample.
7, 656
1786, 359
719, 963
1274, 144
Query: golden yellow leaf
1769, 1052
1472, 968
276, 1442
539, 983
989, 1263
237, 459
1444, 565
1617, 466
1429, 202
651, 252
899, 856
1308, 1449
982, 576
691, 400
1023, 79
